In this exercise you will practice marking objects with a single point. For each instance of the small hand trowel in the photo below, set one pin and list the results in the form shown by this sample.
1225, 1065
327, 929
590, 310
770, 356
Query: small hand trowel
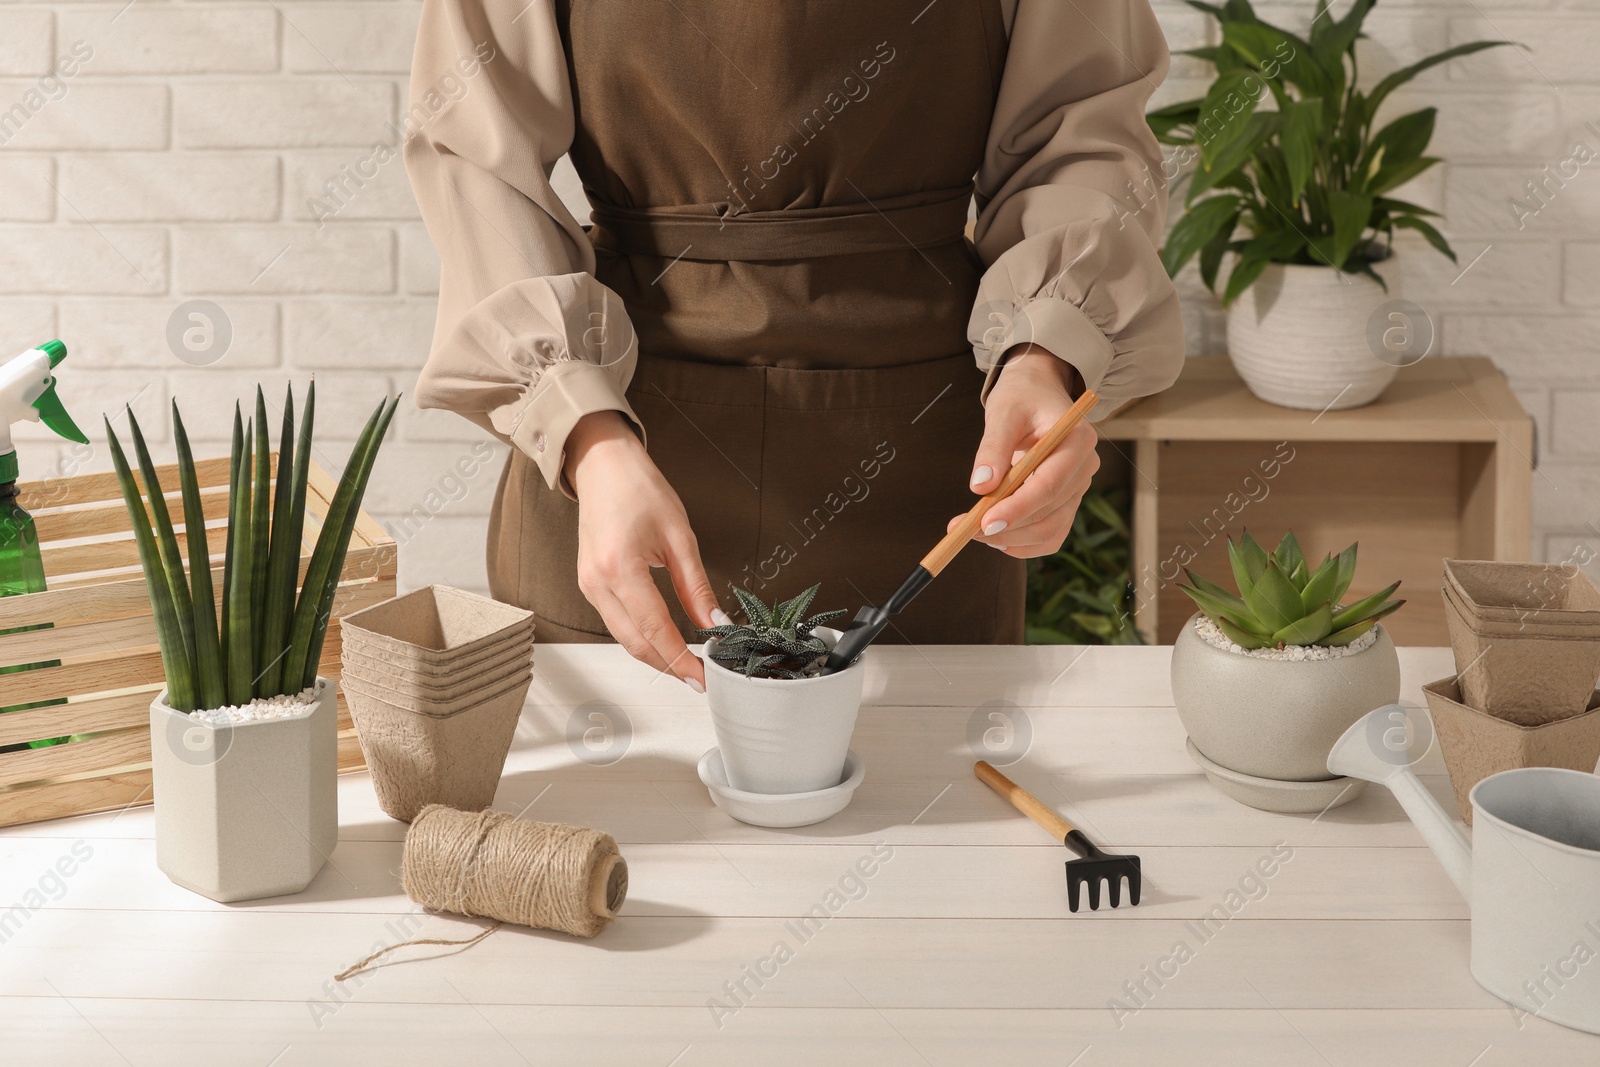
870, 621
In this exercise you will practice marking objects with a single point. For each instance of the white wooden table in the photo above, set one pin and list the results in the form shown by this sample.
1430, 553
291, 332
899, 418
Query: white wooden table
957, 950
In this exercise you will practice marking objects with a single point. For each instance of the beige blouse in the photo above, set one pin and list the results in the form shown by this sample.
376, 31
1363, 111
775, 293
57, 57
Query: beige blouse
1071, 212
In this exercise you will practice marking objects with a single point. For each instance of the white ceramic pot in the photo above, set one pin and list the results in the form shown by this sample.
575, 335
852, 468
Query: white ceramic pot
782, 735
248, 809
1276, 719
1298, 337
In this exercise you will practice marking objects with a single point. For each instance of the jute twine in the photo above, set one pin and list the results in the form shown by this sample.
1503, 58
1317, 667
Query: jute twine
488, 863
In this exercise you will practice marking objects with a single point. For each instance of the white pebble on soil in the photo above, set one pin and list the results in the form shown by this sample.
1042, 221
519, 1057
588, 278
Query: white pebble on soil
1212, 634
289, 706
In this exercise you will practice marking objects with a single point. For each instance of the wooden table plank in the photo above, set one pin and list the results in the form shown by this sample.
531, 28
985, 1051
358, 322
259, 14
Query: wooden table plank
958, 948
113, 1033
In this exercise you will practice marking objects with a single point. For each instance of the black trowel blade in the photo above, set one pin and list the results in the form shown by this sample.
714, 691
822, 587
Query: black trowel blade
868, 624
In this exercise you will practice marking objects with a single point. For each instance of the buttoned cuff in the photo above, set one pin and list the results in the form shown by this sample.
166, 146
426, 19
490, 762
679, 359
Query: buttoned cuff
1062, 329
565, 393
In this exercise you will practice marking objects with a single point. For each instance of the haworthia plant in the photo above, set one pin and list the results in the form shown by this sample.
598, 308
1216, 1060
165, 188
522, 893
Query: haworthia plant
268, 637
1283, 601
777, 643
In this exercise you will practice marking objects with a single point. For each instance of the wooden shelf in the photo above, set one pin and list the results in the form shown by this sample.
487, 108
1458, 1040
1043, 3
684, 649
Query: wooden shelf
1440, 466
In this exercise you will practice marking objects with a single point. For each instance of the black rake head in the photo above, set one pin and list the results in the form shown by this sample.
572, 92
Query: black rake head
1095, 867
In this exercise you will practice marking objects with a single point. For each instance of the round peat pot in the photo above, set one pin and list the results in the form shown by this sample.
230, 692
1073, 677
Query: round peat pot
784, 735
1276, 720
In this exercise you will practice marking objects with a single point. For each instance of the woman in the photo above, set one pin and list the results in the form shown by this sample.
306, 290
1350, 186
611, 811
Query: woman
777, 294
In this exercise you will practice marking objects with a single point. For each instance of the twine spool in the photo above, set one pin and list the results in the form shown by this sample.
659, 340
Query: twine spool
555, 877
488, 863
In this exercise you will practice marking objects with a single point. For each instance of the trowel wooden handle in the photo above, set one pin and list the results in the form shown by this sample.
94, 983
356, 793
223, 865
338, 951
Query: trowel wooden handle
1022, 800
972, 521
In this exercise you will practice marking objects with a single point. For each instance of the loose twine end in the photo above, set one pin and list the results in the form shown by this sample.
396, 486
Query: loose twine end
367, 964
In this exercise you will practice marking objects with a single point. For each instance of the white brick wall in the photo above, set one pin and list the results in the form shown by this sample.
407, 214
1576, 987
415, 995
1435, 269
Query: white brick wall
177, 161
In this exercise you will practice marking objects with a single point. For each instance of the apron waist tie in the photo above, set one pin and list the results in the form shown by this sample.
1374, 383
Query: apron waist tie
708, 232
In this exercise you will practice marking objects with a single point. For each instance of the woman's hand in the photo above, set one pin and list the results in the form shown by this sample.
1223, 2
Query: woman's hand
1029, 395
630, 520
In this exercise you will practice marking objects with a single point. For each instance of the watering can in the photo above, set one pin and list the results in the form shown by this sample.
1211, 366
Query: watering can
1530, 871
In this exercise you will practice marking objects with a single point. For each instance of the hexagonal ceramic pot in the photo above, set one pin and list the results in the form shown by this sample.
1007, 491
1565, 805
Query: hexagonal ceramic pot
249, 809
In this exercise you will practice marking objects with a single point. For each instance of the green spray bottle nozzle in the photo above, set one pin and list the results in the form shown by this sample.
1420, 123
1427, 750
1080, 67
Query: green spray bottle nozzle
28, 394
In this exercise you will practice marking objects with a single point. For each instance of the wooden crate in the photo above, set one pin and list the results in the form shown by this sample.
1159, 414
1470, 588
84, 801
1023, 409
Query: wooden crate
1440, 466
103, 635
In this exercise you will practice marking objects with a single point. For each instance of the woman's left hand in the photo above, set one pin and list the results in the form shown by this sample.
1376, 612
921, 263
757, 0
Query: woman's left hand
1029, 395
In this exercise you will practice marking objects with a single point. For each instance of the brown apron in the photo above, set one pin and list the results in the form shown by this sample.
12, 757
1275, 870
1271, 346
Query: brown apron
779, 196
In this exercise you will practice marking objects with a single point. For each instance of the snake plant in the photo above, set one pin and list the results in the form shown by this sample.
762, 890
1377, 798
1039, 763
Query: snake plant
1282, 601
267, 638
777, 642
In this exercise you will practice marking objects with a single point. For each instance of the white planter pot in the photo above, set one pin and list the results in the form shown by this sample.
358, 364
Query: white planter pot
249, 809
1298, 337
781, 735
1276, 719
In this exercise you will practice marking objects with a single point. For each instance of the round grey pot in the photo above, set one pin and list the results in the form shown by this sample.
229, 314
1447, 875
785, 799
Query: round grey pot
1277, 719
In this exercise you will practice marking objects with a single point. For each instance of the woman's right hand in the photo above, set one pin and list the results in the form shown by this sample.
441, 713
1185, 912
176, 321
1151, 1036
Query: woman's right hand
630, 520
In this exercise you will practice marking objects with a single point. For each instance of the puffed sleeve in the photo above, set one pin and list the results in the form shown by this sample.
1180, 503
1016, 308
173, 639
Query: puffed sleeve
527, 341
1072, 203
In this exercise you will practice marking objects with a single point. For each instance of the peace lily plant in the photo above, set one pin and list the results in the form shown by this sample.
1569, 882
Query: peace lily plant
1296, 188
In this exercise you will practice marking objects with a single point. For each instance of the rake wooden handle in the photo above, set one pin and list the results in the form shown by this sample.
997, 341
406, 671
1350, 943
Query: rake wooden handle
968, 527
1022, 800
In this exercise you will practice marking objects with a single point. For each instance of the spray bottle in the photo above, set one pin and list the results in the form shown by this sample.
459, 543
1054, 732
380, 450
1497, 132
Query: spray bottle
27, 393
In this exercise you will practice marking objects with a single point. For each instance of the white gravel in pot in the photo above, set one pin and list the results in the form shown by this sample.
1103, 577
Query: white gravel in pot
1212, 635
278, 707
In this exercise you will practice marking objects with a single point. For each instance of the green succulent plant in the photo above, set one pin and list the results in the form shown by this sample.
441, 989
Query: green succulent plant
1282, 601
777, 642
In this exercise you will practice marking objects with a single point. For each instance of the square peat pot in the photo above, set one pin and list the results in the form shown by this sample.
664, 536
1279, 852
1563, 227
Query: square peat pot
436, 626
421, 752
1528, 673
245, 810
1476, 744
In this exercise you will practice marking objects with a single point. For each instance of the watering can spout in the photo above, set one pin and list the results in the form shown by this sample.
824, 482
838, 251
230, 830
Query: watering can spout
1374, 749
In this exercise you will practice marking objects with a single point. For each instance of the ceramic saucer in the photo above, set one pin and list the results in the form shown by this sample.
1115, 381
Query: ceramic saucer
1270, 794
780, 809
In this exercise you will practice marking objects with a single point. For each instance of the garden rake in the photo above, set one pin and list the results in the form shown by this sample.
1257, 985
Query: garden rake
1092, 867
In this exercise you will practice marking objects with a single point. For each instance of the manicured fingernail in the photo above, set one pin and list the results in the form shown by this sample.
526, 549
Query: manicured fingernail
982, 475
695, 685
994, 527
721, 618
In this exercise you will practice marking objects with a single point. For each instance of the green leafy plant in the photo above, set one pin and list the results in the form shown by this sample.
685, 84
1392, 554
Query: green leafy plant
777, 642
1309, 181
267, 639
1083, 594
1282, 601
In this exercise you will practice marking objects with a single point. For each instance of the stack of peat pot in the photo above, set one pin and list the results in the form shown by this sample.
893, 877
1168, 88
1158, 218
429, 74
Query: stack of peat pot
1526, 639
436, 680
